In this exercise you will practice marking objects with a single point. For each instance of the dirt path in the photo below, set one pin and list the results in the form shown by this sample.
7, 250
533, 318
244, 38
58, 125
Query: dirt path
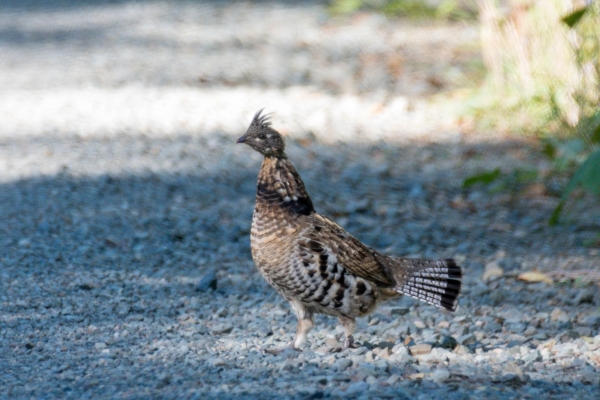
121, 188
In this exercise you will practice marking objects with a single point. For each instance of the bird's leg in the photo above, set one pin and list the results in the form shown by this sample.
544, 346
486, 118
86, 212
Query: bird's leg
349, 326
305, 324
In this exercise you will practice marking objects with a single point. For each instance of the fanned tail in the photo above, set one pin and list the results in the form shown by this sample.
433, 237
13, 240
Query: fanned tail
436, 282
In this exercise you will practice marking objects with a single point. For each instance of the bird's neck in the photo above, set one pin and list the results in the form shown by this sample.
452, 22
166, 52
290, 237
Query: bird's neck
279, 184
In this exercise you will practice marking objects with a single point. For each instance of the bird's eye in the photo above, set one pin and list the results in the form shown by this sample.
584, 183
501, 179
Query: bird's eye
262, 136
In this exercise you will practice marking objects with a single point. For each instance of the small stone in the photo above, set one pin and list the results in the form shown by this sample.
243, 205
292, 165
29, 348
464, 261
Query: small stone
443, 324
222, 312
440, 375
497, 297
420, 324
371, 380
547, 345
216, 362
448, 342
469, 338
165, 381
516, 328
515, 340
532, 357
571, 334
384, 353
419, 349
492, 327
393, 379
398, 311
530, 331
342, 364
589, 320
184, 349
331, 342
208, 281
491, 272
399, 353
100, 345
585, 296
559, 315
511, 368
357, 388
221, 329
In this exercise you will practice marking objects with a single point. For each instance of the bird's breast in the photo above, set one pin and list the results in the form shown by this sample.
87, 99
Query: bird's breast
272, 233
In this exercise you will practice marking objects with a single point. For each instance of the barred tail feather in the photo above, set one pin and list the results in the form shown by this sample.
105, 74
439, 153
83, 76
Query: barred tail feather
435, 282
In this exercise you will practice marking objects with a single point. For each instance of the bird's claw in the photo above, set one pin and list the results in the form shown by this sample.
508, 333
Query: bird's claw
349, 344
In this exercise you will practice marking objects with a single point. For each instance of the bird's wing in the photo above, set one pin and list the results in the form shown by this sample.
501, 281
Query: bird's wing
325, 238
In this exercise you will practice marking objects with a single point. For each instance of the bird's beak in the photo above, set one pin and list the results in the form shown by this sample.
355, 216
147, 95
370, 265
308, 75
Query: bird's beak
241, 140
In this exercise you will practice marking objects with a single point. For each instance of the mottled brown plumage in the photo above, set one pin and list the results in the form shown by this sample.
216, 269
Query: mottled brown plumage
315, 264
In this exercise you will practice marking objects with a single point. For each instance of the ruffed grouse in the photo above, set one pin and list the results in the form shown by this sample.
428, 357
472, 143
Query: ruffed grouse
315, 264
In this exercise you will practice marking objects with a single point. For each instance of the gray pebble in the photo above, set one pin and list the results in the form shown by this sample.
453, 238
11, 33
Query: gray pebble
447, 342
585, 296
220, 329
216, 362
342, 364
208, 281
357, 388
467, 339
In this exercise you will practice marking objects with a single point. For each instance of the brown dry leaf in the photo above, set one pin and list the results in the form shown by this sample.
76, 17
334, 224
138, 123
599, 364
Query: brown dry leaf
534, 276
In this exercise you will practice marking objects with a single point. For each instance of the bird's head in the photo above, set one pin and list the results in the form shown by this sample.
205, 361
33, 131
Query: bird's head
262, 138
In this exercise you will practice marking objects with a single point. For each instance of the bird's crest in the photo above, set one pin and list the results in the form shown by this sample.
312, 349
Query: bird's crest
261, 120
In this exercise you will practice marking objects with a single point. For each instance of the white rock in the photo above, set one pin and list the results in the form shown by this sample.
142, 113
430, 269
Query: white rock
440, 375
492, 271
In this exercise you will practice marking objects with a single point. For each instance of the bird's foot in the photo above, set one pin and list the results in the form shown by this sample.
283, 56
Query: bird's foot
348, 344
289, 348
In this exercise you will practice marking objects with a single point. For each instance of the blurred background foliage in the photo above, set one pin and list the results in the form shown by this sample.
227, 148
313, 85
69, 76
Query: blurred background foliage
446, 9
542, 81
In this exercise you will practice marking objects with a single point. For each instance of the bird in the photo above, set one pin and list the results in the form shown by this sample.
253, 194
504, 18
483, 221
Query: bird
315, 264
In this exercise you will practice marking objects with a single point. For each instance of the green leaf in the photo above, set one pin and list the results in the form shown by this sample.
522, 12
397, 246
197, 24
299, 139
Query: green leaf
485, 178
550, 149
556, 214
587, 176
574, 17
525, 175
595, 138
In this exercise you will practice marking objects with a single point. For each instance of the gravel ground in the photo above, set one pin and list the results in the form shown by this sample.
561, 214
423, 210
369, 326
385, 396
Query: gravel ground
125, 267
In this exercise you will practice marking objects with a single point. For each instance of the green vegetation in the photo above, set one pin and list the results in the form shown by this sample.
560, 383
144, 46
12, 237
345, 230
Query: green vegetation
446, 9
543, 79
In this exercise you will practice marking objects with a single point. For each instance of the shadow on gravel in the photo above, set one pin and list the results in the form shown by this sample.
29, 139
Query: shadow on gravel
66, 4
100, 262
